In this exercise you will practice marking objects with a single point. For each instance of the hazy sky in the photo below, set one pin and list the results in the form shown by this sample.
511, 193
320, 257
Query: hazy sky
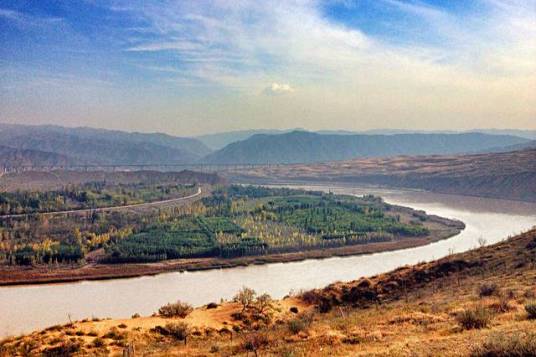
191, 67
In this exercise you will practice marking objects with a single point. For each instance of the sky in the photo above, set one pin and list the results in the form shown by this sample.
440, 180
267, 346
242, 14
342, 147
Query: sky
195, 67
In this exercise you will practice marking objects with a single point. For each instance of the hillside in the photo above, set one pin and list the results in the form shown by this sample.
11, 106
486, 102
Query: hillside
98, 146
479, 303
16, 157
306, 147
56, 180
509, 175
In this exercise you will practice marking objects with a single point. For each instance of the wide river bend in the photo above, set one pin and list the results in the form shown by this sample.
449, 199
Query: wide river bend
27, 308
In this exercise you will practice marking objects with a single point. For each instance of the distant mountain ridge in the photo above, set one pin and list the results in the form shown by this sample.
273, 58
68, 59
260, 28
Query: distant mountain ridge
307, 147
10, 157
218, 141
99, 146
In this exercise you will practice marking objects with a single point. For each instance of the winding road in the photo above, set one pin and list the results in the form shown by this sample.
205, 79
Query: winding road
106, 209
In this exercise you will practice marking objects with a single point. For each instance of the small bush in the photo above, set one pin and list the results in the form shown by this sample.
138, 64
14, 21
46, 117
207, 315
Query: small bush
136, 316
178, 309
246, 297
98, 342
502, 305
114, 334
502, 345
65, 349
530, 308
212, 305
302, 323
179, 330
325, 305
476, 318
255, 341
311, 297
122, 326
487, 289
296, 325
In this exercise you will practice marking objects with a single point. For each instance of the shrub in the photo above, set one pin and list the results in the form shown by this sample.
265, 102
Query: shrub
530, 308
255, 341
296, 325
264, 303
302, 323
136, 316
325, 305
487, 289
212, 305
178, 309
311, 297
98, 342
114, 334
246, 297
65, 349
179, 330
475, 318
502, 345
503, 305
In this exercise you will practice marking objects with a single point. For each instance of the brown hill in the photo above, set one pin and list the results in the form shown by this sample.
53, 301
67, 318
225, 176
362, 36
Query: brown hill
510, 175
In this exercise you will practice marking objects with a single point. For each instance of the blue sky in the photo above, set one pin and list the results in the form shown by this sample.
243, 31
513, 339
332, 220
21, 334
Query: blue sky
190, 67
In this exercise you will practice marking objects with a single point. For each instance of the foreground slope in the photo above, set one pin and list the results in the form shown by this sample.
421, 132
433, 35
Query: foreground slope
306, 147
478, 303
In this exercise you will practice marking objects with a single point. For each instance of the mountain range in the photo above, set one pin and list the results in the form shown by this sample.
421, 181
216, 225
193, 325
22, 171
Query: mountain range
218, 141
56, 145
307, 147
98, 146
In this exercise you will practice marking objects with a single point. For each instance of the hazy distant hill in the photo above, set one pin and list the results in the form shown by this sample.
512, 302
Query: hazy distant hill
220, 140
20, 157
303, 147
98, 146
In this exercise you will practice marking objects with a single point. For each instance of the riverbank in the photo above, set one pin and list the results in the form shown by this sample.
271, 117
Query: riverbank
477, 303
440, 228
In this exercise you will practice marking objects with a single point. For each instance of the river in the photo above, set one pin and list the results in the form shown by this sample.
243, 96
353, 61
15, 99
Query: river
27, 308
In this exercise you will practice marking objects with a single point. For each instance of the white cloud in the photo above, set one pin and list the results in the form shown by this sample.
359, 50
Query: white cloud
278, 89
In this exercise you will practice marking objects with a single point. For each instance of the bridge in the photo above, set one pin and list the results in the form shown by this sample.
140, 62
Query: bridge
135, 167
